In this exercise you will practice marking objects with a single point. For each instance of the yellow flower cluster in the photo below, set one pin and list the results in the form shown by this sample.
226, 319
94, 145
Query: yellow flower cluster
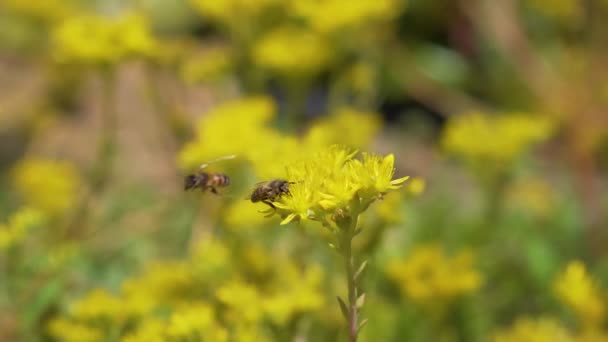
96, 40
542, 329
335, 181
49, 186
481, 138
17, 227
428, 274
244, 127
577, 290
329, 16
207, 297
289, 50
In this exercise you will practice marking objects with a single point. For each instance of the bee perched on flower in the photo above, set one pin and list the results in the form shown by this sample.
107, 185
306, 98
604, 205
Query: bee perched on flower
266, 192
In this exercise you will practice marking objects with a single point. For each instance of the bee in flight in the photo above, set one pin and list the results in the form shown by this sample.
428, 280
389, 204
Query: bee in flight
267, 192
206, 180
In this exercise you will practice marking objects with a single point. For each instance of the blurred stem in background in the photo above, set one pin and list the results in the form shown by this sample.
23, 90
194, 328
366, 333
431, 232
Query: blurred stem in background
106, 146
164, 109
105, 152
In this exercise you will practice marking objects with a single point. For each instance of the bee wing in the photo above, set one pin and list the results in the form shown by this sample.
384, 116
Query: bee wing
204, 165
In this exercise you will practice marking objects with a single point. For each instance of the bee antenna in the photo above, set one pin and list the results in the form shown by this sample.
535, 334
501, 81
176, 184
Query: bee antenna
204, 165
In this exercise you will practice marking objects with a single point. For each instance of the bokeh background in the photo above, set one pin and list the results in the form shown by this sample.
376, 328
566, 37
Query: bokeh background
496, 109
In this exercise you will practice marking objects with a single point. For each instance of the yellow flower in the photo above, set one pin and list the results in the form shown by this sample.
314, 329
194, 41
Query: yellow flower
150, 330
244, 128
356, 129
71, 331
50, 186
235, 127
17, 227
168, 281
244, 215
335, 179
98, 304
296, 292
98, 40
542, 329
429, 274
243, 301
292, 51
483, 139
576, 289
329, 16
196, 321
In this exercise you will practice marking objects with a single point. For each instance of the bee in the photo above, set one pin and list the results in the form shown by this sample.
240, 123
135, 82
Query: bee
267, 192
206, 180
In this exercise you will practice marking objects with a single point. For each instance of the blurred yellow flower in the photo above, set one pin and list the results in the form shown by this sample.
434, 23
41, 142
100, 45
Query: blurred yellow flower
150, 330
292, 51
297, 291
70, 331
544, 329
98, 304
50, 186
167, 281
580, 292
195, 322
428, 274
481, 138
355, 128
235, 127
243, 128
18, 226
99, 40
244, 215
243, 301
329, 16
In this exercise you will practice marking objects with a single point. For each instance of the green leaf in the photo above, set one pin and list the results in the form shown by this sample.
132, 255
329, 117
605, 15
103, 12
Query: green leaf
361, 325
343, 308
45, 298
361, 301
360, 269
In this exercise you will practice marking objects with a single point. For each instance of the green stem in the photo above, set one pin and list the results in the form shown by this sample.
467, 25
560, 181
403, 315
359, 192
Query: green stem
352, 292
347, 235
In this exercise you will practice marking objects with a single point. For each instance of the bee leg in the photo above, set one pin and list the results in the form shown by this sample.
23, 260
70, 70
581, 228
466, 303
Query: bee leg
214, 190
270, 204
